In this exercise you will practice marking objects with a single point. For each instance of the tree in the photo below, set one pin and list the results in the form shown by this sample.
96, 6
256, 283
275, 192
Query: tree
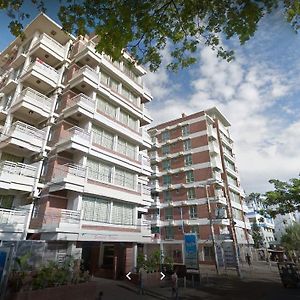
257, 236
284, 199
145, 28
291, 239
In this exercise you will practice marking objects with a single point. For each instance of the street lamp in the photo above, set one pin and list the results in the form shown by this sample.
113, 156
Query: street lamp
211, 223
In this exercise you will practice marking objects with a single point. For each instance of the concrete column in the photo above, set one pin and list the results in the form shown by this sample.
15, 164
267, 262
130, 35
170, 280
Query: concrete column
134, 256
73, 251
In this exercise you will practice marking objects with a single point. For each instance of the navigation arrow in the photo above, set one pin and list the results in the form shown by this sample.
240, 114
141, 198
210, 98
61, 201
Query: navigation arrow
128, 275
162, 275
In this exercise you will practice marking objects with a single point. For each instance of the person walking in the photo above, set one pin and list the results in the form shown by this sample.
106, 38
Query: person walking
248, 259
174, 279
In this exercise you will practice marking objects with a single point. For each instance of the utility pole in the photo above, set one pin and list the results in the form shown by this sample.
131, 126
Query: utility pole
211, 227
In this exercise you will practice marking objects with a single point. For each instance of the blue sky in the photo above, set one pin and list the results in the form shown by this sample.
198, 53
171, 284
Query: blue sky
259, 92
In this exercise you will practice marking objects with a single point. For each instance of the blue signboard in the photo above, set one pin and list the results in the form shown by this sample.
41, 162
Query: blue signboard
191, 250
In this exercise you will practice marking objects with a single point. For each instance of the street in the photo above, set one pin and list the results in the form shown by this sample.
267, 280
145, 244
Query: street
259, 282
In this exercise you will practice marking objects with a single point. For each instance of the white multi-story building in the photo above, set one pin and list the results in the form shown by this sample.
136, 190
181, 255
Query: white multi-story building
266, 225
281, 222
74, 167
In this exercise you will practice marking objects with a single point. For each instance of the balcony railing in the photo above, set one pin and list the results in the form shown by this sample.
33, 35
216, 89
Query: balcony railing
69, 169
43, 68
75, 132
91, 73
27, 132
13, 217
17, 169
51, 43
35, 98
61, 218
81, 99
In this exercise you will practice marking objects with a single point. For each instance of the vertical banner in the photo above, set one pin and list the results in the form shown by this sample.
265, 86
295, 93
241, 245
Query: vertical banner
191, 251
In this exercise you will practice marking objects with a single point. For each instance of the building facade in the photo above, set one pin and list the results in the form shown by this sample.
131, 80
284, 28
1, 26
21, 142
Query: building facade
281, 222
266, 225
74, 167
196, 189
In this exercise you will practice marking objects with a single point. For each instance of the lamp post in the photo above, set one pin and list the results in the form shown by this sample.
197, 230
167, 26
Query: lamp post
211, 225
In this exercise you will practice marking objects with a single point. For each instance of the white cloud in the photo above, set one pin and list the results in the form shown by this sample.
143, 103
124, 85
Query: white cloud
245, 90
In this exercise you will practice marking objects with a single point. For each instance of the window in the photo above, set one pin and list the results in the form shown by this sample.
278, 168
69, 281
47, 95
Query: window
195, 229
6, 201
124, 178
165, 149
193, 212
188, 160
114, 85
126, 148
167, 196
169, 233
104, 78
129, 95
229, 165
165, 136
185, 130
232, 180
208, 253
95, 209
106, 108
166, 164
169, 213
191, 194
187, 145
99, 171
128, 120
235, 197
102, 137
8, 100
189, 176
166, 179
237, 214
122, 214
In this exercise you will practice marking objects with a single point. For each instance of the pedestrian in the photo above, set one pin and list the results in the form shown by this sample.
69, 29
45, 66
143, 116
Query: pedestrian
248, 259
142, 275
174, 285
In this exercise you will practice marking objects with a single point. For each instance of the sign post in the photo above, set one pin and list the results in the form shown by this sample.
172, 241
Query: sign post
191, 251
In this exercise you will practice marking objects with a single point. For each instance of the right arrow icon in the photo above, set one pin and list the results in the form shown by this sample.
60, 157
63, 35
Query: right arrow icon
162, 275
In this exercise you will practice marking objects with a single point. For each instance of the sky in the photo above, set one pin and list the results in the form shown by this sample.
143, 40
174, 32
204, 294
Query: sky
258, 92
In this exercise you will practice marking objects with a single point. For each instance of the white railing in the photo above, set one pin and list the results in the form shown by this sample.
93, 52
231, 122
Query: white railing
30, 131
45, 68
86, 69
75, 170
53, 44
36, 98
55, 218
81, 98
74, 132
17, 169
13, 216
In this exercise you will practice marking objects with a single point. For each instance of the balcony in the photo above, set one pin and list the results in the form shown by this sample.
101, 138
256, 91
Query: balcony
40, 76
146, 116
9, 81
145, 192
147, 143
68, 176
74, 138
48, 48
79, 107
56, 219
212, 133
22, 139
84, 79
145, 227
13, 223
33, 104
214, 148
17, 176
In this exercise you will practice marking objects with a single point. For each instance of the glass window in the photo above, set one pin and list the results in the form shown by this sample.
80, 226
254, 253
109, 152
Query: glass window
166, 164
113, 84
187, 145
191, 194
122, 214
106, 108
185, 130
95, 209
167, 196
102, 137
104, 79
193, 212
165, 135
189, 176
99, 171
169, 232
165, 149
166, 179
126, 148
124, 178
6, 201
169, 213
188, 160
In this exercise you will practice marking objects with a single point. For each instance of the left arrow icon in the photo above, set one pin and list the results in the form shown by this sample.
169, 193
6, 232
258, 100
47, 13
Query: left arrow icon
128, 275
